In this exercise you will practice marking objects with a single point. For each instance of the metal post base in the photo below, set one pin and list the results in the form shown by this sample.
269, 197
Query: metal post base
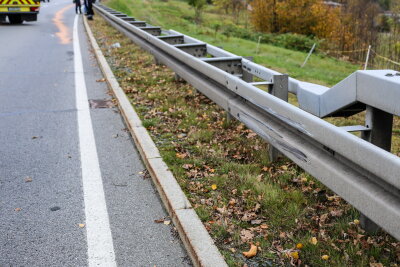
280, 89
368, 225
381, 125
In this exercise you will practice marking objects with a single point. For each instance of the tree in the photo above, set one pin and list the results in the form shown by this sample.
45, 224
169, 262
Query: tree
198, 6
262, 15
233, 6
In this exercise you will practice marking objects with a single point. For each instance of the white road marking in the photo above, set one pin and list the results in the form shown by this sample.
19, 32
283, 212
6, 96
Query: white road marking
99, 239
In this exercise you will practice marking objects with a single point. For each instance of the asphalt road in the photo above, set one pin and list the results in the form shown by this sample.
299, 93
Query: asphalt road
51, 205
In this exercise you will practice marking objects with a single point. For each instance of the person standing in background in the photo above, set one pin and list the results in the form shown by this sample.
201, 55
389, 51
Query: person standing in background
78, 6
89, 9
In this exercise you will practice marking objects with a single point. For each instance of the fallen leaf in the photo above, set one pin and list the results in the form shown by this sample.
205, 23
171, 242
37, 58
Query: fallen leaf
248, 216
167, 222
81, 225
325, 257
187, 166
214, 187
181, 135
28, 179
313, 240
251, 135
246, 235
256, 221
299, 246
17, 209
357, 222
181, 155
294, 255
376, 264
336, 213
222, 210
101, 80
252, 251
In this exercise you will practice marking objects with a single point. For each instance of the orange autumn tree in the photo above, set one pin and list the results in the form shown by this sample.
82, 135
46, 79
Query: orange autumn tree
307, 17
262, 15
331, 24
296, 16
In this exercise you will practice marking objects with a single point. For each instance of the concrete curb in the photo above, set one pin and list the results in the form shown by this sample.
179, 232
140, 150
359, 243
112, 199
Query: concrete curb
197, 241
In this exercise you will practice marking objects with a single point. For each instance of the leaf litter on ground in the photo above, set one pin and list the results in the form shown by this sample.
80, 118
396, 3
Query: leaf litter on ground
275, 205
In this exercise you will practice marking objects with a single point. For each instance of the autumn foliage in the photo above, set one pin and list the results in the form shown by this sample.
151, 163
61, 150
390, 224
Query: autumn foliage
342, 27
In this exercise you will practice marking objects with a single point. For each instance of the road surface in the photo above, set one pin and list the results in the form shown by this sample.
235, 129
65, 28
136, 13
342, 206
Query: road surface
72, 191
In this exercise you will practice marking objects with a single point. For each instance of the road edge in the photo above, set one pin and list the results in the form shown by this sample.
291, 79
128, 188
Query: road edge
197, 241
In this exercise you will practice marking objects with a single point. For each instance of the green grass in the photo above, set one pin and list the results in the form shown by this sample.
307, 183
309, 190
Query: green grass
178, 15
201, 149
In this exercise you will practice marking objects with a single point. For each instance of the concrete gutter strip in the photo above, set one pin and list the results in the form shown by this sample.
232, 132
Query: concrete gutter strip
197, 241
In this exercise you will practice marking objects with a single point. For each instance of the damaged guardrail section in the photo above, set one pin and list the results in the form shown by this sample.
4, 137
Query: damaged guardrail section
359, 170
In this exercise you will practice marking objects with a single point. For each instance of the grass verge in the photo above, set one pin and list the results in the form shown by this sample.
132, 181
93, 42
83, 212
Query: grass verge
223, 168
178, 15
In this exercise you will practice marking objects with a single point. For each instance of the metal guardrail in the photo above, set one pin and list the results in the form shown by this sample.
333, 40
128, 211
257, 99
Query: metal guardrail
365, 175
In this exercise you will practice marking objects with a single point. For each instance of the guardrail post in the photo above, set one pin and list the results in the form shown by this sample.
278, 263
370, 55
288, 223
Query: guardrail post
247, 76
280, 89
178, 78
381, 125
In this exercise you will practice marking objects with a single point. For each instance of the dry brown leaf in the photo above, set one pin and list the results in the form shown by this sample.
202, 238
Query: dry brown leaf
28, 179
252, 251
248, 216
251, 135
17, 209
101, 80
181, 155
187, 166
336, 213
222, 210
246, 235
81, 225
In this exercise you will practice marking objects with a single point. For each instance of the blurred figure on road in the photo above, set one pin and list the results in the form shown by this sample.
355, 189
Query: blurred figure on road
89, 8
78, 6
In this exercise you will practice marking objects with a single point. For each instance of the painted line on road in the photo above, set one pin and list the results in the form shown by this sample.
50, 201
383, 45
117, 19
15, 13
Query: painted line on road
99, 238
